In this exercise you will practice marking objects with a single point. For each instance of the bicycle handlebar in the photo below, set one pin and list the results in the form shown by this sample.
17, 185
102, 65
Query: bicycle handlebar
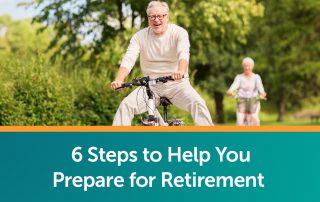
143, 81
258, 97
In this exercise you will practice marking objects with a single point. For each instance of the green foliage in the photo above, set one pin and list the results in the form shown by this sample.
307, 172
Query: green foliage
216, 27
286, 44
33, 95
95, 23
217, 30
113, 51
22, 38
95, 103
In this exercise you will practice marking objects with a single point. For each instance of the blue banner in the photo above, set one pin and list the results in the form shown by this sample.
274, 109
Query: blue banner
159, 166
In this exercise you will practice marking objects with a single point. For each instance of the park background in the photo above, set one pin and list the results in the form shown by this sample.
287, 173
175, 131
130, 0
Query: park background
56, 65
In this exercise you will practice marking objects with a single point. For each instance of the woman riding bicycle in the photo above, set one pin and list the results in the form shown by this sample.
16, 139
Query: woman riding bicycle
249, 88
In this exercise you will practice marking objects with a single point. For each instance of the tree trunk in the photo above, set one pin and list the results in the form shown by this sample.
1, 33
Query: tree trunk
133, 17
218, 98
281, 110
120, 17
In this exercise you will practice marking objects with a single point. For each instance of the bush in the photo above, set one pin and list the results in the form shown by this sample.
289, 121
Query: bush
33, 94
95, 102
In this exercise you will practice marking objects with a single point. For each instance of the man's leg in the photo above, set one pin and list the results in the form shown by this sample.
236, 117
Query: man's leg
134, 103
184, 96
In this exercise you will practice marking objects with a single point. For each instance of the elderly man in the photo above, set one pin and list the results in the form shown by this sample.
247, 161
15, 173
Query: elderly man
164, 50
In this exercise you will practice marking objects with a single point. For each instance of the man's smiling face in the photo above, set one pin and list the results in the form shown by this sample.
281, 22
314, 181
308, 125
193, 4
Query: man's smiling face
158, 20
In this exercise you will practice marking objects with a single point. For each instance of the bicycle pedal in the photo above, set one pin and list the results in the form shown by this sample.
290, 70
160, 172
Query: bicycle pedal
149, 122
176, 122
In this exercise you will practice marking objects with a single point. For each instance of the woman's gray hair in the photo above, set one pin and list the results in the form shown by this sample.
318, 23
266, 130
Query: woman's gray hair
158, 3
248, 60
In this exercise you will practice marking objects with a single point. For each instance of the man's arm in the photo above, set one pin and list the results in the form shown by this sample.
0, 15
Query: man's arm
182, 68
183, 49
121, 75
127, 62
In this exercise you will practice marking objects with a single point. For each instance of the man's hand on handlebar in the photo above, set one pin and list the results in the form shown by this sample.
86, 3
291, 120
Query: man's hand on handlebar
177, 75
116, 84
142, 81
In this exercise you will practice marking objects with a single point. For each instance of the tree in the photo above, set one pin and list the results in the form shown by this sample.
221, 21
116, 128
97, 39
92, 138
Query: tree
286, 43
21, 38
217, 28
85, 29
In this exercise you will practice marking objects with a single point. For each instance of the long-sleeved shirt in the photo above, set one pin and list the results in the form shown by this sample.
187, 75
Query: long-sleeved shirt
247, 88
159, 56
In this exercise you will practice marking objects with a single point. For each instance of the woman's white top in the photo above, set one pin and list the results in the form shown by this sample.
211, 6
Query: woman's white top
247, 87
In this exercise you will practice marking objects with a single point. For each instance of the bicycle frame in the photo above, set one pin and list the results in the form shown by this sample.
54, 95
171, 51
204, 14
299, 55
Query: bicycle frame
154, 117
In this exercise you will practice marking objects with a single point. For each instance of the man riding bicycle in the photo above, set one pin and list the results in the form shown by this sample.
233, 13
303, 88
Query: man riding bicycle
164, 50
248, 86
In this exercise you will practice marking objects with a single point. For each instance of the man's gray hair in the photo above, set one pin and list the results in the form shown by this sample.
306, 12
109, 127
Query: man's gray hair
158, 3
248, 60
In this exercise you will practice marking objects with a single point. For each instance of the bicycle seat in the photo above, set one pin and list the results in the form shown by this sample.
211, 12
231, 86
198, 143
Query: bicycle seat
164, 101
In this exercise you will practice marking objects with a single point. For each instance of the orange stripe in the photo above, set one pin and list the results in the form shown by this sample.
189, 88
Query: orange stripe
159, 129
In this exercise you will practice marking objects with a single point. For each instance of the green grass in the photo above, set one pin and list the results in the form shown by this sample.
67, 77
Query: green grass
301, 122
268, 114
286, 122
297, 122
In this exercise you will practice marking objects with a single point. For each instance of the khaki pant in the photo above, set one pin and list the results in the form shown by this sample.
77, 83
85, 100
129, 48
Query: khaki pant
180, 93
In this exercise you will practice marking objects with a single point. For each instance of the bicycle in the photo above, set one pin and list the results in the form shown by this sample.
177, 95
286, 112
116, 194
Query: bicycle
154, 117
248, 106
